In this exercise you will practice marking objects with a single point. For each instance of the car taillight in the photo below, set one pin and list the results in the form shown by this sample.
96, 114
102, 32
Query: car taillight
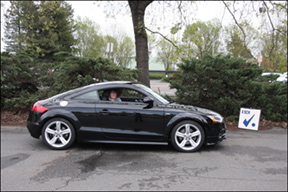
39, 108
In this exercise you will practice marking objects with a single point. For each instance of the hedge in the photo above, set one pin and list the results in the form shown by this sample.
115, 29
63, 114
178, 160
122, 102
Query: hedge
226, 84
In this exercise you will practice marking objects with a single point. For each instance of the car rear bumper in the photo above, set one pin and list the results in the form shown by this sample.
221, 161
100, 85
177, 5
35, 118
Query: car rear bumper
33, 125
34, 129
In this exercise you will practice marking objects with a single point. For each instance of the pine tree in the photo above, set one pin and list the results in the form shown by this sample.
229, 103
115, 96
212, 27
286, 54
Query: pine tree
55, 28
19, 25
45, 27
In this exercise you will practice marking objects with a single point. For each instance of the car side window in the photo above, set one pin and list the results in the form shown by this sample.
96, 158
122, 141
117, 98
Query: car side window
130, 95
125, 95
93, 95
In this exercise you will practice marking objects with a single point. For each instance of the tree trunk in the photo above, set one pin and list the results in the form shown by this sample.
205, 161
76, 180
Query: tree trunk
142, 58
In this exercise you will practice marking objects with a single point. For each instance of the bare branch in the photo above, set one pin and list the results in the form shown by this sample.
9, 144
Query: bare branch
270, 20
182, 16
269, 15
222, 18
236, 21
155, 32
271, 3
244, 34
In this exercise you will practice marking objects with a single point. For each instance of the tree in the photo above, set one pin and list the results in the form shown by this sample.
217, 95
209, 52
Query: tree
235, 44
275, 49
19, 80
20, 20
45, 27
112, 48
167, 54
90, 42
142, 58
123, 46
275, 38
125, 51
202, 37
138, 9
55, 28
272, 42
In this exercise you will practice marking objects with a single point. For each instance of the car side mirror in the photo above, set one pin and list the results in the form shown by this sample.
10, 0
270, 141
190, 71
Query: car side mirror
149, 101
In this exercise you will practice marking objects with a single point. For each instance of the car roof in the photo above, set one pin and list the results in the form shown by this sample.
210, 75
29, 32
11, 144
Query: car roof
113, 82
72, 91
107, 83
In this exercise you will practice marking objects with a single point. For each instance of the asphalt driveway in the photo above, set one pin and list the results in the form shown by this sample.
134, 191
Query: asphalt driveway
247, 160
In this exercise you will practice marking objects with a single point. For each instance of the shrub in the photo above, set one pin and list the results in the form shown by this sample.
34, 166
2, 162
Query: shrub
156, 75
79, 71
226, 84
25, 79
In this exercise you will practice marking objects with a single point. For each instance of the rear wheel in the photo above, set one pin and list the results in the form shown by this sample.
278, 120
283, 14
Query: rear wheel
58, 133
187, 136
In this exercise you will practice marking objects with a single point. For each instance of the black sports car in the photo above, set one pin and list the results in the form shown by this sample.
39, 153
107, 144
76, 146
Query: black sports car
122, 112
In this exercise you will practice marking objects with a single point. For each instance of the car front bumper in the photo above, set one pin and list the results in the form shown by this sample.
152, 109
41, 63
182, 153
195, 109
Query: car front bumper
219, 134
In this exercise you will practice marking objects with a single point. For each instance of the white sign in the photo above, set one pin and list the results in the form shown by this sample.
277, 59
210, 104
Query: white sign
249, 118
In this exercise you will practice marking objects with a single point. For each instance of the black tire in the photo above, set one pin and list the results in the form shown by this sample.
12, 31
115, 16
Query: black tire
187, 136
58, 133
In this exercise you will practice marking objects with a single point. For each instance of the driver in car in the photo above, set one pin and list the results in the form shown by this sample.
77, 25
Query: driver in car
114, 96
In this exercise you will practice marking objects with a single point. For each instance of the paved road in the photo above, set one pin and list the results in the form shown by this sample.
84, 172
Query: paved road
162, 87
247, 160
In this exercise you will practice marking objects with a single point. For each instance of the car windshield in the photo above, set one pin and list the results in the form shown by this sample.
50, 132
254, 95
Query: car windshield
156, 95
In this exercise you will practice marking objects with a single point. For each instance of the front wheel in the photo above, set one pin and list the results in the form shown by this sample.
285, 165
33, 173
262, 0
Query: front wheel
58, 133
187, 136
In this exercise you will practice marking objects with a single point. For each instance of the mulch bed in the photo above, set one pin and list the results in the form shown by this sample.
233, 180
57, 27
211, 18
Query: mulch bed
10, 118
19, 118
263, 125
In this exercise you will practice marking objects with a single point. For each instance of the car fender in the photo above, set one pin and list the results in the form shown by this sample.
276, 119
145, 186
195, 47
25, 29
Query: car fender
182, 117
54, 113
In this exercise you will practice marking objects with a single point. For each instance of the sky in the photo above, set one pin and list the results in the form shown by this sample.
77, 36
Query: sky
205, 11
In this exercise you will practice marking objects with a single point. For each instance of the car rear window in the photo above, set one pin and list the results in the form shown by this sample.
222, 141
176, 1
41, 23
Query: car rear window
93, 95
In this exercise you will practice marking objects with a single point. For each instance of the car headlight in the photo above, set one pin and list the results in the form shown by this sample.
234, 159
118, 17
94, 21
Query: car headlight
216, 118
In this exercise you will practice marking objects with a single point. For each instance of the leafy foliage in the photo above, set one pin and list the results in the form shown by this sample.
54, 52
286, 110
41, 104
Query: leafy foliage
44, 27
90, 43
24, 79
39, 61
20, 21
125, 51
79, 71
225, 84
201, 38
275, 41
18, 78
166, 54
235, 43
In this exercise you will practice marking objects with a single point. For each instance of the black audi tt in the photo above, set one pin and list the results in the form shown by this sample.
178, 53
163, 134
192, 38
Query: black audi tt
138, 116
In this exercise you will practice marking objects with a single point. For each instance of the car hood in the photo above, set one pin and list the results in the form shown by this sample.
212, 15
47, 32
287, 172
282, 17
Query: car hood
190, 108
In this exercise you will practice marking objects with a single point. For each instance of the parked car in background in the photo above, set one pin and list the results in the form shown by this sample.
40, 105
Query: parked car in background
282, 77
138, 116
275, 76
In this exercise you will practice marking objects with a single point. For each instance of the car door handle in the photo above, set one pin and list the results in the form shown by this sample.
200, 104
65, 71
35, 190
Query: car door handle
105, 112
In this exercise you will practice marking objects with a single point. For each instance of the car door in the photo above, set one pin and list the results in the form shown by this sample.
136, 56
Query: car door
130, 119
82, 105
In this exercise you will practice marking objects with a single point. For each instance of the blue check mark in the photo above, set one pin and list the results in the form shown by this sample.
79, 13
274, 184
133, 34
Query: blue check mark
246, 123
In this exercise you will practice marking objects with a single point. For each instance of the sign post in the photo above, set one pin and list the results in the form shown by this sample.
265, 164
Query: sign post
249, 118
260, 59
